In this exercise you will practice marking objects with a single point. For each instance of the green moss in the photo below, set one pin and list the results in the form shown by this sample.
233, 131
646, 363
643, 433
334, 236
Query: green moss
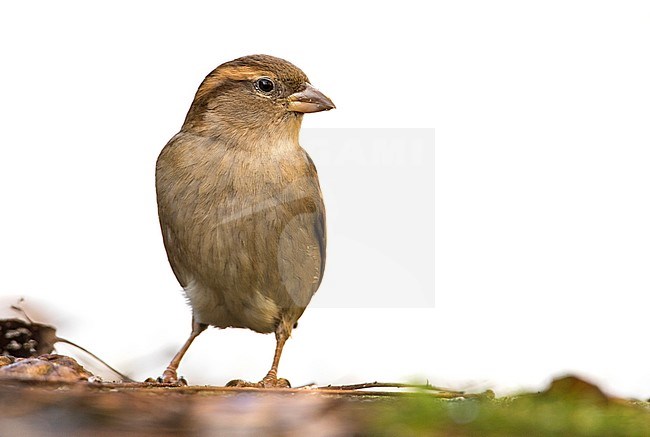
533, 415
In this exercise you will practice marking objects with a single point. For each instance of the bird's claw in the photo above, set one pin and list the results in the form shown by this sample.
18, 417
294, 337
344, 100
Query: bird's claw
171, 377
239, 383
267, 382
274, 382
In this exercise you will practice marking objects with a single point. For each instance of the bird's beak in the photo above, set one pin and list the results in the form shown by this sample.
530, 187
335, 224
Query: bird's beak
309, 100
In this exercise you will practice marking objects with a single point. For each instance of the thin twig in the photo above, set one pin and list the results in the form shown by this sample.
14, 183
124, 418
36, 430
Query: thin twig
387, 385
19, 308
121, 375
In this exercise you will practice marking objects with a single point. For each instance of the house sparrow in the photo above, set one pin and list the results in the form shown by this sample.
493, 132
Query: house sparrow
240, 206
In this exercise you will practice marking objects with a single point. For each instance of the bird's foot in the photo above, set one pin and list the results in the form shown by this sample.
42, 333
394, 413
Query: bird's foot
267, 382
171, 377
274, 382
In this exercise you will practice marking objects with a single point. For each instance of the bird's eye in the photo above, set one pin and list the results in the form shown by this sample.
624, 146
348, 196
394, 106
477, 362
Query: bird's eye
265, 84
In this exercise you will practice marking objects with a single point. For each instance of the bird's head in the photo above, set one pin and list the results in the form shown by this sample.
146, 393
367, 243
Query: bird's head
254, 95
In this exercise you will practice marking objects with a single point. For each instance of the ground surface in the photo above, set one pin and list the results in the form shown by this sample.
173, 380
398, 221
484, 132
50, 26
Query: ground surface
52, 396
87, 409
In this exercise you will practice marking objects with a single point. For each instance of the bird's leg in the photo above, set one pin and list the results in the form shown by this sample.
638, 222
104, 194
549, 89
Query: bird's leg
169, 375
271, 379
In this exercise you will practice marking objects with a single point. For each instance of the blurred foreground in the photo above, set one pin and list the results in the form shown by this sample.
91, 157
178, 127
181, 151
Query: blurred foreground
53, 396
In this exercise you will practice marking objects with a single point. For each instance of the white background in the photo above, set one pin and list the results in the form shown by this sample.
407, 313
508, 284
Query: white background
542, 184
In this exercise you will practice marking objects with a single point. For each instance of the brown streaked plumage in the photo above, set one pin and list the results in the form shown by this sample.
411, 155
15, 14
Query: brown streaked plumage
239, 203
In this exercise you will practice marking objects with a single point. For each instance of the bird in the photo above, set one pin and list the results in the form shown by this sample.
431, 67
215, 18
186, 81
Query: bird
240, 205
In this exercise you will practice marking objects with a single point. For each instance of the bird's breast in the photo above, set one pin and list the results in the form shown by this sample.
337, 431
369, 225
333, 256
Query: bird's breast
241, 229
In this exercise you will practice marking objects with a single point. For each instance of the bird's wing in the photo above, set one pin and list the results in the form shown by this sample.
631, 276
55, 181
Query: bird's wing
320, 228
